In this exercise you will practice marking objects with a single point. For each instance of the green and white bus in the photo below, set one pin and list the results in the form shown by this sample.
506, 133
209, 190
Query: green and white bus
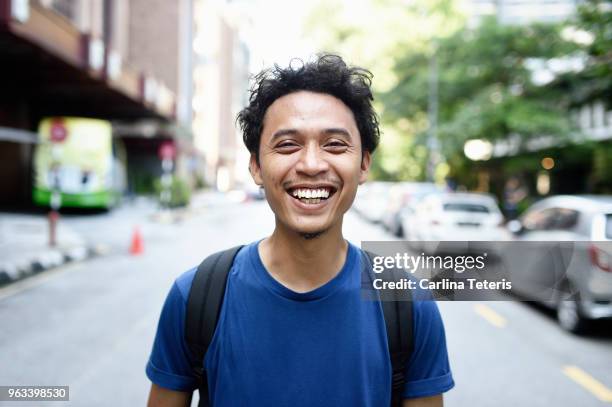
77, 161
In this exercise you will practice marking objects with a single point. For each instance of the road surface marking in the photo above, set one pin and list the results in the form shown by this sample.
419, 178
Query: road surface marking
587, 381
491, 316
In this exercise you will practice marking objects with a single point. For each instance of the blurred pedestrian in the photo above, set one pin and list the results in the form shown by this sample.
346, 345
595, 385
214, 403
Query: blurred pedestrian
514, 193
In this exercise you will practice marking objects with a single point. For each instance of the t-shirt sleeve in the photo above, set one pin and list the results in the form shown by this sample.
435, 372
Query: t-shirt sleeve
428, 372
169, 364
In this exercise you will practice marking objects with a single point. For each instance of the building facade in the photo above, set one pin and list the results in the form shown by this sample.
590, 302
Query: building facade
122, 61
221, 81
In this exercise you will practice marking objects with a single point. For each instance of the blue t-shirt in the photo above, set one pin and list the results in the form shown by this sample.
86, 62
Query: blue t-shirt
275, 347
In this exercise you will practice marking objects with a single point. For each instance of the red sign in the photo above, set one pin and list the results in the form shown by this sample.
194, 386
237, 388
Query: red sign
167, 151
58, 131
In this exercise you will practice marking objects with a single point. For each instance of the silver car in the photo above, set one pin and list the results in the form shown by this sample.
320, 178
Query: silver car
583, 291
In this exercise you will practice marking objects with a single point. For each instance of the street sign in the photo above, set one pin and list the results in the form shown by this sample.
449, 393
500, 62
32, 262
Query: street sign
58, 131
167, 151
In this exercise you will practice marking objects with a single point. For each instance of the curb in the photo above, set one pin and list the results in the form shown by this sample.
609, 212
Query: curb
11, 272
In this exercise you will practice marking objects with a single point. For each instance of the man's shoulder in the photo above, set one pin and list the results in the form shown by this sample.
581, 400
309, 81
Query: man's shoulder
183, 282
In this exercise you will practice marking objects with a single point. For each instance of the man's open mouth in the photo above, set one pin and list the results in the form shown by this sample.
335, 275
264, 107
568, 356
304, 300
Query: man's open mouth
312, 195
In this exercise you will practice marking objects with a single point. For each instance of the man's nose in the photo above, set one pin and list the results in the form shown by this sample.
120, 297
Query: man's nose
312, 161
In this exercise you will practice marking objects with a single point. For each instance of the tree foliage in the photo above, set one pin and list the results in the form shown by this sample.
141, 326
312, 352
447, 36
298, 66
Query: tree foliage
485, 86
494, 81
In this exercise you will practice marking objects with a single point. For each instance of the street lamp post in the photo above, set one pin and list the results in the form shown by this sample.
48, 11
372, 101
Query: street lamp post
55, 201
433, 146
167, 154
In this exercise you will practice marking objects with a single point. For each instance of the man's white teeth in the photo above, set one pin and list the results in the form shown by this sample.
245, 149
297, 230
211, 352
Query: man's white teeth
311, 193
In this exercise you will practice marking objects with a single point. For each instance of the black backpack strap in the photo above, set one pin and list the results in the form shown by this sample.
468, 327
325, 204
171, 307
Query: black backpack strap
398, 321
203, 309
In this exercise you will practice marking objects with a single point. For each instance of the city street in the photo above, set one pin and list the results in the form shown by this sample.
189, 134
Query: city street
131, 133
91, 325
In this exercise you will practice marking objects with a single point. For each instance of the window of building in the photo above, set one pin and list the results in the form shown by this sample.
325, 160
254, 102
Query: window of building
66, 8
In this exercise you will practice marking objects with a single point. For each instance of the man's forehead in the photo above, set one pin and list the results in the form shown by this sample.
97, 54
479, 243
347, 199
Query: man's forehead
305, 109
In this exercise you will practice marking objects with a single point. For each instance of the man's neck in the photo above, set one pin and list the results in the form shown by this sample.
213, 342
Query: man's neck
303, 263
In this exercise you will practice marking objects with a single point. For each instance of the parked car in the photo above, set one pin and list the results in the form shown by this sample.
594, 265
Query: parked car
371, 200
254, 193
455, 217
402, 195
579, 277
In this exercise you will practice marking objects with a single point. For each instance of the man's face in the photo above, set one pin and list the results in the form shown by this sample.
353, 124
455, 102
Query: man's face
310, 161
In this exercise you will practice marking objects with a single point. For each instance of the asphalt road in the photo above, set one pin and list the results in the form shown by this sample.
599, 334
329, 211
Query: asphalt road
91, 325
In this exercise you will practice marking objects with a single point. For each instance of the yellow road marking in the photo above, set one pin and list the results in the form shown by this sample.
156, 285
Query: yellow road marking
587, 381
491, 316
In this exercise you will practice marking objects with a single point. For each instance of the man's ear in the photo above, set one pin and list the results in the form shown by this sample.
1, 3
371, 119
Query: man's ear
255, 170
366, 160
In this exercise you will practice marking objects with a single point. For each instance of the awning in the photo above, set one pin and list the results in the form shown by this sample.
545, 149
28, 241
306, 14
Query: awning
60, 71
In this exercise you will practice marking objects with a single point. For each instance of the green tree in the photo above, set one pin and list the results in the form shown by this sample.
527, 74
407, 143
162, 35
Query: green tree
485, 85
494, 81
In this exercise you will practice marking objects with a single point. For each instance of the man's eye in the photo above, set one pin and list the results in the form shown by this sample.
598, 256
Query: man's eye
336, 145
286, 145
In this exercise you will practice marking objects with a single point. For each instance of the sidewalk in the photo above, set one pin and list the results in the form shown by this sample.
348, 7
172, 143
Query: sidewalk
24, 238
24, 246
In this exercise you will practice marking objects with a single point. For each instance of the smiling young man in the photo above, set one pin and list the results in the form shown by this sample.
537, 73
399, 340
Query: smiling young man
294, 329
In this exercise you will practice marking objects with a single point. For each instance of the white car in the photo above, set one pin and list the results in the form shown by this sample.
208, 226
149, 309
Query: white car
456, 217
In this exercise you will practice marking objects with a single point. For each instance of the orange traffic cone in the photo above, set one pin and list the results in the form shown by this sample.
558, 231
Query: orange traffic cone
137, 246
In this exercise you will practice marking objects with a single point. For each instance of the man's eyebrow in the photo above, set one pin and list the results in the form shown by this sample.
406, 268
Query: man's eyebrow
338, 130
283, 132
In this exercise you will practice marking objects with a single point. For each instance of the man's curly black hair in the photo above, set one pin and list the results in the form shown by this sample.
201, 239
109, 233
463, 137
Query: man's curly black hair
328, 74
